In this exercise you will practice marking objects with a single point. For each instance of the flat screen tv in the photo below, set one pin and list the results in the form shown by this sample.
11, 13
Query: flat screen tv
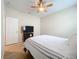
29, 29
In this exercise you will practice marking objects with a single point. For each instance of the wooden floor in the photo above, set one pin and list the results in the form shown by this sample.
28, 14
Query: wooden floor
15, 51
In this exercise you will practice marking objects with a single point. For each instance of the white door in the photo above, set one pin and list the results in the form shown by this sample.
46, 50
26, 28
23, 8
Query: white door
11, 30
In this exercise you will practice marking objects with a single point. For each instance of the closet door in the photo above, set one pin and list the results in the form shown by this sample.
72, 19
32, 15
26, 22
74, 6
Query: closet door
11, 30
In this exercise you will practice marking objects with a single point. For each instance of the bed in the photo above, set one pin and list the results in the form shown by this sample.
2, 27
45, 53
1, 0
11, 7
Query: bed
49, 47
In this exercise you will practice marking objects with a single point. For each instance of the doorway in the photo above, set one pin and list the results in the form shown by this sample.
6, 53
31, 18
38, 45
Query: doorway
11, 30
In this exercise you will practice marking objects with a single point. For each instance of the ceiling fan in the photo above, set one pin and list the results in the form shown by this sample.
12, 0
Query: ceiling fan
41, 6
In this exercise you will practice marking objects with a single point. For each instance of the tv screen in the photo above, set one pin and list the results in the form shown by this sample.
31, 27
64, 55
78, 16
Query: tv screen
28, 28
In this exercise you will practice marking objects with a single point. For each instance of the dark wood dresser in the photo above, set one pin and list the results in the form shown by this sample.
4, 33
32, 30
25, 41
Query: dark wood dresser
27, 35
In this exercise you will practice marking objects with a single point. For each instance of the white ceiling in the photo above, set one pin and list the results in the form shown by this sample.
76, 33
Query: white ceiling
25, 6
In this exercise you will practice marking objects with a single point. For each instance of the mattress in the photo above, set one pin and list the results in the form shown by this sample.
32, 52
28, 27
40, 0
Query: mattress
48, 47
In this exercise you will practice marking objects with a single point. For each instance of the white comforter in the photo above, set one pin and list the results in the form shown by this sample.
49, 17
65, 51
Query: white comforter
49, 47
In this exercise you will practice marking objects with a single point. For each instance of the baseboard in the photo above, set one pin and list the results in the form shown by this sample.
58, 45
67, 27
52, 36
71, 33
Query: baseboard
13, 43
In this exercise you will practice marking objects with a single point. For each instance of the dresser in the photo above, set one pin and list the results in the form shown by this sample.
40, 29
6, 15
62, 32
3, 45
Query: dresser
27, 35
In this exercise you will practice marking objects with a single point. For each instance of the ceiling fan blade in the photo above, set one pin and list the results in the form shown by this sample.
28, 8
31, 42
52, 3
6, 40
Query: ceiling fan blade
40, 1
49, 5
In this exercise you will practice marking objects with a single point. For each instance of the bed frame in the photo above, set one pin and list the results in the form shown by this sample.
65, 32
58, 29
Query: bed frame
26, 50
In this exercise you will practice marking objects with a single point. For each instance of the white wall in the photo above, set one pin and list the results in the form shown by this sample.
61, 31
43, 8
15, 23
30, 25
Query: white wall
62, 23
24, 19
32, 21
2, 28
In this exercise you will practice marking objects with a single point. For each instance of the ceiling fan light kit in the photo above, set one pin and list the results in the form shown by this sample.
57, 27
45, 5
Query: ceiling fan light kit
41, 7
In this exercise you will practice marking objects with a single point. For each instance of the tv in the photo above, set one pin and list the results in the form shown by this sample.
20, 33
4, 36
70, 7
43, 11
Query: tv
29, 29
